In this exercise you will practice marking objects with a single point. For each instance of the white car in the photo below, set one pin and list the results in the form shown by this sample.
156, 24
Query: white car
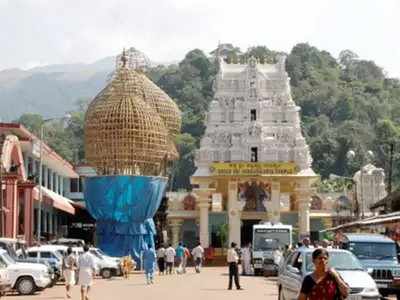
299, 263
60, 249
4, 280
49, 254
26, 278
109, 266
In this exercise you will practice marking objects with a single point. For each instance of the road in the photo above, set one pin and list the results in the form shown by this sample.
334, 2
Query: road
210, 284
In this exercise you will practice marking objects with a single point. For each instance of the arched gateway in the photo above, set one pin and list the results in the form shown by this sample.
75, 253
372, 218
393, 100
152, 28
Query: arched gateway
17, 193
253, 163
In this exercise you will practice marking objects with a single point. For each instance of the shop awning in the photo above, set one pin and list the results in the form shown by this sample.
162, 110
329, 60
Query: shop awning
58, 201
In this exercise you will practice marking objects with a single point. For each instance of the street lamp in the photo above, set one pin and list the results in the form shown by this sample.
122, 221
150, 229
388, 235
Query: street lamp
66, 117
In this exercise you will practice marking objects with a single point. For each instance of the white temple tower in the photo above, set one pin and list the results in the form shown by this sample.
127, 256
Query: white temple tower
253, 118
253, 164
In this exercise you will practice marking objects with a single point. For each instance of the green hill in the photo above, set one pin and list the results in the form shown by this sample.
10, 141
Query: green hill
50, 90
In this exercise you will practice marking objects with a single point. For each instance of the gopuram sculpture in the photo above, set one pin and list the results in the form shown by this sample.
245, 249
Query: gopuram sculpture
129, 131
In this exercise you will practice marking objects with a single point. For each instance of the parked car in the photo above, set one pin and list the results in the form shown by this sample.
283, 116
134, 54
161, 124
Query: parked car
50, 255
299, 263
16, 249
68, 242
5, 284
60, 249
109, 266
378, 253
25, 278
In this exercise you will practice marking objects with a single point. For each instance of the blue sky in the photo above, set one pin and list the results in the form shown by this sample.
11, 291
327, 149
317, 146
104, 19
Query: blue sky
39, 32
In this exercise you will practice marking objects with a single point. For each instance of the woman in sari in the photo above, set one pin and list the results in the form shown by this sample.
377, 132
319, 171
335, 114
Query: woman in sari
324, 283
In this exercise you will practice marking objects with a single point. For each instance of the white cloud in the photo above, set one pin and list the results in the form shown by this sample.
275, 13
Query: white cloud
66, 31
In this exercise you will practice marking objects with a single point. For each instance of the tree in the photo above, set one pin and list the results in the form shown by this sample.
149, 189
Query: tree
262, 53
32, 122
347, 57
184, 167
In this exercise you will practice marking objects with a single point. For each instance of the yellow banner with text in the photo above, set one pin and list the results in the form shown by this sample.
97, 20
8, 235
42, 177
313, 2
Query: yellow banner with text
253, 169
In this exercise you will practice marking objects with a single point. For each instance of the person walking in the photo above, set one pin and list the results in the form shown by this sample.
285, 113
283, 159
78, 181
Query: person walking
69, 266
198, 253
149, 263
87, 268
180, 252
233, 260
170, 258
246, 260
161, 259
186, 257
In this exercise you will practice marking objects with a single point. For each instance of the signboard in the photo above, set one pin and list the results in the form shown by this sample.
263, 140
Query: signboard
271, 230
253, 169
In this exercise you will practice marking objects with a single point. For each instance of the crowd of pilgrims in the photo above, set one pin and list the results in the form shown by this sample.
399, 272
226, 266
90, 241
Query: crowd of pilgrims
169, 260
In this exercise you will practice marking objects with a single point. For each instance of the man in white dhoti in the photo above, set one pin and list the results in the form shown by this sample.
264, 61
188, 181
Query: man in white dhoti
69, 268
87, 269
246, 260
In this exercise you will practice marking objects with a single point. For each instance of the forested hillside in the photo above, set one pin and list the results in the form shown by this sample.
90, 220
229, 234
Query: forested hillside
50, 90
347, 104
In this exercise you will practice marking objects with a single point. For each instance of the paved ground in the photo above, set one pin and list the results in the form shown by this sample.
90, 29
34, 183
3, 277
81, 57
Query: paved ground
208, 285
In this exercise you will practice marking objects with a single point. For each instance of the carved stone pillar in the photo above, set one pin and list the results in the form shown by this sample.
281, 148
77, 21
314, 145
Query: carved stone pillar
203, 203
234, 213
175, 226
303, 193
275, 215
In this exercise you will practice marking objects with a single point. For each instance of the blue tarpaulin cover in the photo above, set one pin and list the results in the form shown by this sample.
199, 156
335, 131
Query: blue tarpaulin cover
123, 207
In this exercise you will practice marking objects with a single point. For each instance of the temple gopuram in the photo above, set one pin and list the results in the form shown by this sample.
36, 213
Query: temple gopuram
253, 163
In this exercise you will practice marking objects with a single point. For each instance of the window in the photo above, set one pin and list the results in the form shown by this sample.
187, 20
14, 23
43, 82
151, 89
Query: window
54, 182
254, 154
32, 254
43, 176
253, 115
49, 178
3, 264
45, 255
30, 166
289, 258
74, 185
298, 261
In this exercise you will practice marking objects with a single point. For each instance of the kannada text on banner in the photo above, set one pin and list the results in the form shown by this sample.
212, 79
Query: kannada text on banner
253, 169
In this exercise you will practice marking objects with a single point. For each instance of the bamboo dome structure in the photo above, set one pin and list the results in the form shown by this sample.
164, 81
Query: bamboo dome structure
130, 127
164, 105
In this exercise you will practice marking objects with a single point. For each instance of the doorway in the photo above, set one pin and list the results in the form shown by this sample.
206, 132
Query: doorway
246, 231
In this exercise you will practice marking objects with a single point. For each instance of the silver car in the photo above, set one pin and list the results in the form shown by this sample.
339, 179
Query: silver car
299, 263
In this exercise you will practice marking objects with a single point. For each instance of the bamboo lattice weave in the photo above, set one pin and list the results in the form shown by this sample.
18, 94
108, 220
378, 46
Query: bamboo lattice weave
163, 104
124, 133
